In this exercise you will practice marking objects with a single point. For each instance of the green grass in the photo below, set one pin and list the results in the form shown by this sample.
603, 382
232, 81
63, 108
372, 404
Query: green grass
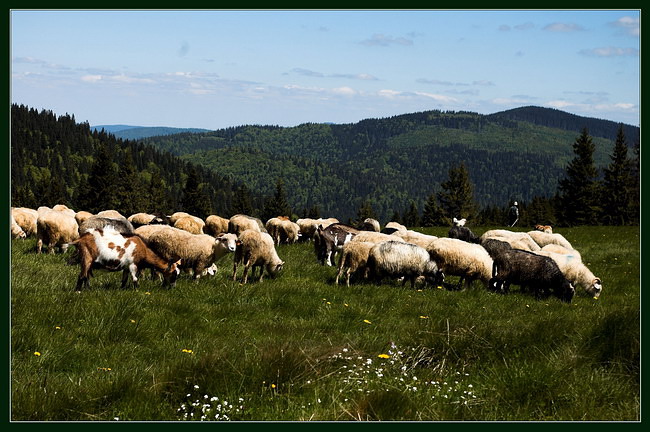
298, 347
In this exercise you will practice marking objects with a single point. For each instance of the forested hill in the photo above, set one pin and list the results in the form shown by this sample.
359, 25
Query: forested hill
392, 161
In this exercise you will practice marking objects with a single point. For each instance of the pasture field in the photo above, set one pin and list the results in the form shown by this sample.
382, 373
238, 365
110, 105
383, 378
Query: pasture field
299, 347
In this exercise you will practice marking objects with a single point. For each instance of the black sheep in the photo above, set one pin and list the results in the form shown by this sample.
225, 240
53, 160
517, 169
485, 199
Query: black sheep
462, 233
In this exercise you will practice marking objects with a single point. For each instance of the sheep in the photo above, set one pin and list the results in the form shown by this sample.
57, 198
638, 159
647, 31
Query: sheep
82, 216
55, 228
256, 249
282, 230
459, 258
576, 272
16, 230
400, 259
64, 208
354, 257
113, 214
544, 228
330, 240
196, 251
370, 224
395, 225
543, 239
562, 250
518, 240
140, 219
108, 249
524, 268
462, 233
215, 225
239, 223
122, 225
376, 237
26, 219
415, 237
175, 216
308, 226
191, 224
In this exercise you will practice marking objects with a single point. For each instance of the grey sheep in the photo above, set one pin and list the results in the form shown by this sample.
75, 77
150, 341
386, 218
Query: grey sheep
399, 259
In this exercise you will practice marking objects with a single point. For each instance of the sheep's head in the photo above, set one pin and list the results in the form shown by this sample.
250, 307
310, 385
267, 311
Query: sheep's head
595, 288
228, 241
274, 268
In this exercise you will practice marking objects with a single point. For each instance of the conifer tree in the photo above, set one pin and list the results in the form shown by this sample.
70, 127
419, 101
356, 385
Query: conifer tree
277, 205
457, 196
365, 211
98, 192
242, 202
129, 190
194, 200
412, 215
159, 199
618, 184
433, 215
578, 191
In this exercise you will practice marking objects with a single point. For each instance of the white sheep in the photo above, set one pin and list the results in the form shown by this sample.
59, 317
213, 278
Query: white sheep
415, 237
139, 219
456, 257
282, 230
215, 225
375, 237
256, 249
81, 216
191, 224
196, 251
240, 223
396, 226
55, 228
398, 259
370, 224
354, 257
576, 272
561, 250
544, 238
308, 226
518, 240
16, 230
26, 219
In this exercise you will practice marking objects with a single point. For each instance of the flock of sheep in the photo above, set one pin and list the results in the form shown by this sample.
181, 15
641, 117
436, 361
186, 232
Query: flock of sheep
539, 260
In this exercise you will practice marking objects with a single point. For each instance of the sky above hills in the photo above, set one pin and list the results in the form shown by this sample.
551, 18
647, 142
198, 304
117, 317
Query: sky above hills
214, 68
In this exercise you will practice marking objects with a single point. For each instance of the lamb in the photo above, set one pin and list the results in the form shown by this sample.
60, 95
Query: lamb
191, 224
354, 257
196, 251
121, 225
256, 249
399, 259
308, 226
26, 219
55, 228
518, 240
240, 223
215, 225
282, 230
415, 237
458, 258
462, 233
543, 239
139, 219
108, 249
524, 268
576, 272
370, 224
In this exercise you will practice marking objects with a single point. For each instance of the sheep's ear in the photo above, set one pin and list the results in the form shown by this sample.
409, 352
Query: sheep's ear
238, 242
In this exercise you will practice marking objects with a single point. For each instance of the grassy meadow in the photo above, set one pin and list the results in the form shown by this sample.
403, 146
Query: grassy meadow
299, 347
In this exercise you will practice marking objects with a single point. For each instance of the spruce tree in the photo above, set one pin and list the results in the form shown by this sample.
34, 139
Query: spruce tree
277, 205
98, 192
365, 211
578, 191
618, 184
129, 190
412, 215
433, 215
194, 200
242, 202
457, 196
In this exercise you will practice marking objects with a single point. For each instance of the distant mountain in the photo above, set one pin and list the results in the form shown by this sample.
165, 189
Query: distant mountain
140, 132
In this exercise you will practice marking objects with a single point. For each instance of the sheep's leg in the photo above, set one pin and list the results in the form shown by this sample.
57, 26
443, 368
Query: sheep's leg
39, 246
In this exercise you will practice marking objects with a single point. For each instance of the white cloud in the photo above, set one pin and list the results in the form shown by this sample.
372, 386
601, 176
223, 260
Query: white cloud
380, 39
610, 51
563, 27
630, 25
91, 78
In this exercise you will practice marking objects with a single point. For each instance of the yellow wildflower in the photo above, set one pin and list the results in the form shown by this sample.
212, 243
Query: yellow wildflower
424, 317
272, 385
36, 353
189, 351
367, 322
57, 328
383, 356
132, 321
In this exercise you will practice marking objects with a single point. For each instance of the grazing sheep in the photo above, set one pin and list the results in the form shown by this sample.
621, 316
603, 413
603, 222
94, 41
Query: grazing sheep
370, 224
240, 223
395, 225
82, 216
398, 259
256, 249
576, 272
354, 257
415, 237
561, 250
122, 225
308, 226
330, 240
26, 219
55, 228
140, 219
113, 214
375, 237
518, 240
459, 258
282, 230
526, 269
543, 239
191, 224
175, 216
462, 233
16, 230
215, 225
64, 208
196, 251
108, 249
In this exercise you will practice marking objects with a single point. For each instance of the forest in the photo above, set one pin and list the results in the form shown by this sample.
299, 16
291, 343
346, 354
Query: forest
387, 168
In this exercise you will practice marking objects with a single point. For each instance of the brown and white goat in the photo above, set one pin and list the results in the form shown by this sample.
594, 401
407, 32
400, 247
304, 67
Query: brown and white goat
109, 250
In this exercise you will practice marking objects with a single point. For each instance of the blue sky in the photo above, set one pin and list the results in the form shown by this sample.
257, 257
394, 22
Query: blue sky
214, 69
